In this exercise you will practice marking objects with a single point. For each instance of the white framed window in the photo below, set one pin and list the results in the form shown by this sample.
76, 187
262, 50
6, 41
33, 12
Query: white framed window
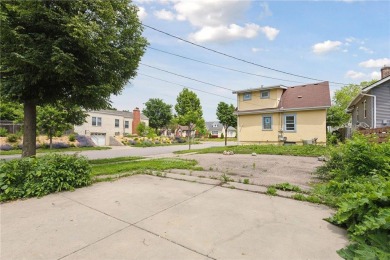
214, 132
290, 122
96, 121
247, 96
365, 108
267, 122
357, 113
116, 122
126, 124
264, 94
215, 125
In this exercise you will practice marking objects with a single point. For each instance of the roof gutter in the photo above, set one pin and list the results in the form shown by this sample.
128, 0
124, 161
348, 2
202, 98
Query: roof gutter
279, 110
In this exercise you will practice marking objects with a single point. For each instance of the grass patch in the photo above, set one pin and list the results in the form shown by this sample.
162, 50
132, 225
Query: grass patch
115, 160
287, 187
154, 164
47, 150
295, 150
271, 191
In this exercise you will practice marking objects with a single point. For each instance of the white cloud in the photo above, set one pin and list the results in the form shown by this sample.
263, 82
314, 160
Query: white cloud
375, 63
225, 33
141, 13
211, 12
265, 12
258, 49
164, 15
375, 75
270, 32
365, 49
326, 46
354, 74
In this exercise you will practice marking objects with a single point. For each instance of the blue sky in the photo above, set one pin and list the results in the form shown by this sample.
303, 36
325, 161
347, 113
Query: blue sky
338, 41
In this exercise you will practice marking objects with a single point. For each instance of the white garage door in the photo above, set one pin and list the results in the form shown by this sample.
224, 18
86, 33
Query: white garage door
99, 139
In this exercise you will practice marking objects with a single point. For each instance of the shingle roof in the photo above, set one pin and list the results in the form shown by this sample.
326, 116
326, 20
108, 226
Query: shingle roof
119, 113
306, 96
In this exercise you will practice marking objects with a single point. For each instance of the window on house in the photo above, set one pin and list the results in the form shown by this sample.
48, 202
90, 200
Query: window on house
290, 122
247, 96
126, 124
267, 122
357, 113
96, 121
214, 132
365, 108
116, 122
264, 94
215, 125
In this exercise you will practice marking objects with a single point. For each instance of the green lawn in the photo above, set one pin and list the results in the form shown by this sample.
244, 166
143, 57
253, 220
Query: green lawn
115, 160
296, 150
143, 165
47, 150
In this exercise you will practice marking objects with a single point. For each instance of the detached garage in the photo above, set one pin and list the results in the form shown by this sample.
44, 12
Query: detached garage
99, 138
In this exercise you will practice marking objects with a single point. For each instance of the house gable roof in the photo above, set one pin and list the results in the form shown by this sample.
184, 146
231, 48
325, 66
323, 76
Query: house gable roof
306, 96
259, 89
125, 114
365, 91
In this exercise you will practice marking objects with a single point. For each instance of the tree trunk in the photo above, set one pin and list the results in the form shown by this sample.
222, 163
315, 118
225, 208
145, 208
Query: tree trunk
189, 139
225, 136
29, 129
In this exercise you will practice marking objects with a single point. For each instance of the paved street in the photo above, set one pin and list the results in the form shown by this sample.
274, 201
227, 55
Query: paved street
119, 151
147, 217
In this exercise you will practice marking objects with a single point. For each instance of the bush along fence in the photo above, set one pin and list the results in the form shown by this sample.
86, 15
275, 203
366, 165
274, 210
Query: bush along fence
383, 133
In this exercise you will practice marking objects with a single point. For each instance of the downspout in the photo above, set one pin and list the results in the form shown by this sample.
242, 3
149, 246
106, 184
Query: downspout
374, 110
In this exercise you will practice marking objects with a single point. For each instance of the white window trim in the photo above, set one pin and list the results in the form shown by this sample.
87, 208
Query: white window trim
357, 113
119, 123
285, 122
265, 91
262, 122
249, 98
127, 124
98, 121
365, 108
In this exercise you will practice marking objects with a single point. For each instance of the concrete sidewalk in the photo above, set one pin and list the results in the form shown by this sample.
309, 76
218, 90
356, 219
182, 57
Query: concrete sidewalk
146, 217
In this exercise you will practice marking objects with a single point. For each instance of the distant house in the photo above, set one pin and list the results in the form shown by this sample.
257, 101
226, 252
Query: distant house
184, 131
102, 125
215, 129
371, 107
280, 114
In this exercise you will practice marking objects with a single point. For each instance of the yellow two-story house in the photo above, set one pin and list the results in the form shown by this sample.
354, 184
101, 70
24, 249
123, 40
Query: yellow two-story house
280, 114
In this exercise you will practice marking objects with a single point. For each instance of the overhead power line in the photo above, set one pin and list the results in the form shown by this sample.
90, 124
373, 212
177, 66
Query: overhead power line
170, 82
236, 58
222, 67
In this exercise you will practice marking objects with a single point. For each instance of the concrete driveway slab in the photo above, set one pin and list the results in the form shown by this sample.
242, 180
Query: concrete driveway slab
133, 243
50, 227
132, 199
231, 224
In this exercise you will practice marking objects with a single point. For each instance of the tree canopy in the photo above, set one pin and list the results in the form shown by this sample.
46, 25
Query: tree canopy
225, 115
158, 112
189, 111
77, 51
336, 115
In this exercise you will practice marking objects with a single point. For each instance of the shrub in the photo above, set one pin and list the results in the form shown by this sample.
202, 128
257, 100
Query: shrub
146, 143
84, 141
3, 132
359, 186
12, 138
6, 147
222, 136
60, 145
72, 137
31, 177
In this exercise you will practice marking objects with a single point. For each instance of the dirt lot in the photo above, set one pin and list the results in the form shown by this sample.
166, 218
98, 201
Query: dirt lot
261, 169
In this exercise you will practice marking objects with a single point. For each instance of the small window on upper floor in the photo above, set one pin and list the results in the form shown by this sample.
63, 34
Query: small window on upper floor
96, 121
247, 96
264, 94
116, 122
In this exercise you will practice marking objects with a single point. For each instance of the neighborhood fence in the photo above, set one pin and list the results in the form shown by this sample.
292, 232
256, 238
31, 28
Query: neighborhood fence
383, 133
11, 127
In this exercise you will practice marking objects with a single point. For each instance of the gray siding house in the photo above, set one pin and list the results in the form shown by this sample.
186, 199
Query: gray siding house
371, 106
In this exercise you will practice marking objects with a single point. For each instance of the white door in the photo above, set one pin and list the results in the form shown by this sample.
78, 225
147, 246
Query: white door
99, 139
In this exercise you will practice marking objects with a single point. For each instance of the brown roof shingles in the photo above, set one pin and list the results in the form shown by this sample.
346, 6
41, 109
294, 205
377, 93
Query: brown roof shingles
306, 96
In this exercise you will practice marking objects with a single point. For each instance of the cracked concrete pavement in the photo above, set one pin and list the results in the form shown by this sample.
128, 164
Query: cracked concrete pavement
147, 217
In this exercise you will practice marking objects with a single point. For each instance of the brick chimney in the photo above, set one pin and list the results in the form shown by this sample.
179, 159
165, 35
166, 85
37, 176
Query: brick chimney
385, 71
136, 120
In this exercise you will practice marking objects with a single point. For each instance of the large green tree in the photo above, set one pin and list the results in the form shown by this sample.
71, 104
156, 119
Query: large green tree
52, 119
78, 51
226, 116
189, 111
158, 112
336, 115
